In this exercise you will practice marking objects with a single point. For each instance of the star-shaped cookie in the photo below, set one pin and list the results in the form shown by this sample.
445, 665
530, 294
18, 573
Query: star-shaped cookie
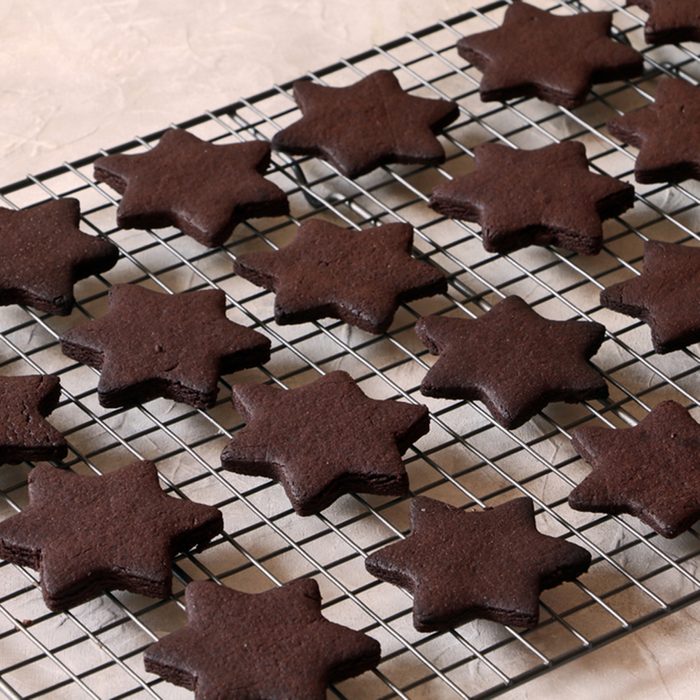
359, 277
172, 345
25, 435
203, 189
370, 123
87, 535
651, 471
323, 440
666, 296
670, 21
546, 196
667, 133
265, 645
463, 565
43, 254
554, 57
513, 360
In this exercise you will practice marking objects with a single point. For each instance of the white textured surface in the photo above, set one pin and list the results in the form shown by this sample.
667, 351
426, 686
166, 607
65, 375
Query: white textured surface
80, 75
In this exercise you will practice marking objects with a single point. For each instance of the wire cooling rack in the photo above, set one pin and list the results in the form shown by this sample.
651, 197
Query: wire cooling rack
637, 577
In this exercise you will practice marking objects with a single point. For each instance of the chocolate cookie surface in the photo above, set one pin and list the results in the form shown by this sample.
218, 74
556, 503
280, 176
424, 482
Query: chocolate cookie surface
670, 21
370, 123
462, 565
203, 189
87, 535
274, 645
172, 345
546, 196
667, 133
651, 471
360, 277
666, 296
43, 254
554, 57
323, 440
513, 360
25, 401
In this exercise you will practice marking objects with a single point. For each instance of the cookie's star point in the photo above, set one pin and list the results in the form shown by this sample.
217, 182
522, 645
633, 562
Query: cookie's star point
535, 197
323, 440
556, 58
370, 123
513, 360
650, 471
670, 21
281, 628
143, 346
461, 565
204, 189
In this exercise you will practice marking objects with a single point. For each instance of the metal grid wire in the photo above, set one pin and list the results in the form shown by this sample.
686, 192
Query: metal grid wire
637, 576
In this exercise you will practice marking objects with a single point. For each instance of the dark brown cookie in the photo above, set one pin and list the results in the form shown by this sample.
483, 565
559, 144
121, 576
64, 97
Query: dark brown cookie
513, 360
666, 296
359, 277
173, 345
462, 565
87, 535
323, 440
554, 57
546, 196
203, 189
651, 471
274, 645
43, 254
670, 21
667, 133
370, 123
24, 434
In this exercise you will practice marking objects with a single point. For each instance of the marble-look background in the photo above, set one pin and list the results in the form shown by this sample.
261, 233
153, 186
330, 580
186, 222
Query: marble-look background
78, 75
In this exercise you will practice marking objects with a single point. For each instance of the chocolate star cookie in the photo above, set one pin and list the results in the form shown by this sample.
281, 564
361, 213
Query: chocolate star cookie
667, 133
43, 254
370, 123
513, 360
670, 21
323, 440
462, 565
359, 277
546, 196
203, 189
24, 434
270, 645
556, 58
651, 471
173, 345
666, 296
87, 535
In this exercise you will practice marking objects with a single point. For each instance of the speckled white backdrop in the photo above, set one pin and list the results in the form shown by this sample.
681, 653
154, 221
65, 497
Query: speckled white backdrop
78, 75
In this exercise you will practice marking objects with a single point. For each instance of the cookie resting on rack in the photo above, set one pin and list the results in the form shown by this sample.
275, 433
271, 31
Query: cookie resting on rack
43, 254
25, 401
463, 565
362, 126
87, 535
667, 133
176, 346
274, 645
670, 21
651, 471
203, 189
666, 296
545, 196
554, 57
360, 277
513, 360
323, 440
